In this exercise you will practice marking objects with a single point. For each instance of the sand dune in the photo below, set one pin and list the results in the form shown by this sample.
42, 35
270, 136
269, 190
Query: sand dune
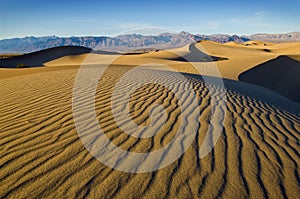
280, 74
256, 156
258, 43
193, 54
40, 57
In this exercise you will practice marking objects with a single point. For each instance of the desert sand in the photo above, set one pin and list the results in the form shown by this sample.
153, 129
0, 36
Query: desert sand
256, 156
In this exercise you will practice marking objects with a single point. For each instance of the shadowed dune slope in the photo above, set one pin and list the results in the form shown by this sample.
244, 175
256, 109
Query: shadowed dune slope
194, 54
280, 74
40, 57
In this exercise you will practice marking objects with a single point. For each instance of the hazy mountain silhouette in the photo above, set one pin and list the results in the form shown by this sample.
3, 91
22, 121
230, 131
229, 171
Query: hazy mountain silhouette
129, 42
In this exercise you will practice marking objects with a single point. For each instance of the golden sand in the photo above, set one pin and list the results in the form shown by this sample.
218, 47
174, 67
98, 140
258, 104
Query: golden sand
256, 156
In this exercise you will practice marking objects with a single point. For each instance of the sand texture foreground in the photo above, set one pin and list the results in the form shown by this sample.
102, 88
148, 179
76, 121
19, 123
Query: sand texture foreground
256, 156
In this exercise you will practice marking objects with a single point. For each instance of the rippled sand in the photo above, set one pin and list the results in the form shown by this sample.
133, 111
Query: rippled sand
256, 156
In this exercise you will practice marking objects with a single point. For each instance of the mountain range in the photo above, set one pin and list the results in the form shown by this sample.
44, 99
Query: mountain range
132, 42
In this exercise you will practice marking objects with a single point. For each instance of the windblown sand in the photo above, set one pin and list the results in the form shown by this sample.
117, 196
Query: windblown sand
256, 156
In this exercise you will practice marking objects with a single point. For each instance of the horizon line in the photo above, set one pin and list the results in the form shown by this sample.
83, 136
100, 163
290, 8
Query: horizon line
112, 36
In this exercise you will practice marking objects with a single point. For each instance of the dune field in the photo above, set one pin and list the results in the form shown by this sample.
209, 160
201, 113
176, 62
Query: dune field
256, 155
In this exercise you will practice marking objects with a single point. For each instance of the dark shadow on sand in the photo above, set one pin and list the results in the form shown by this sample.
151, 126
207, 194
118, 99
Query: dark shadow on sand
281, 75
250, 91
196, 55
38, 58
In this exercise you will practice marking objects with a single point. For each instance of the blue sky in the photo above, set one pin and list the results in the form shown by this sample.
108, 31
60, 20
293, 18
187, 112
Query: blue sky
19, 18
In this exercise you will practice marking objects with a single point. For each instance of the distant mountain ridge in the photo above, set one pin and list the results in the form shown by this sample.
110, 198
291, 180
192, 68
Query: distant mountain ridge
131, 42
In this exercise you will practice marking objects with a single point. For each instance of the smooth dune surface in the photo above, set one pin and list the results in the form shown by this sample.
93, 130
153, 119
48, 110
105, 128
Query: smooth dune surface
256, 156
40, 57
280, 74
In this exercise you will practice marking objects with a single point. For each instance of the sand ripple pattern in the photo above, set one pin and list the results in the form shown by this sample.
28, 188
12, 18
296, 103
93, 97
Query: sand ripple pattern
41, 156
